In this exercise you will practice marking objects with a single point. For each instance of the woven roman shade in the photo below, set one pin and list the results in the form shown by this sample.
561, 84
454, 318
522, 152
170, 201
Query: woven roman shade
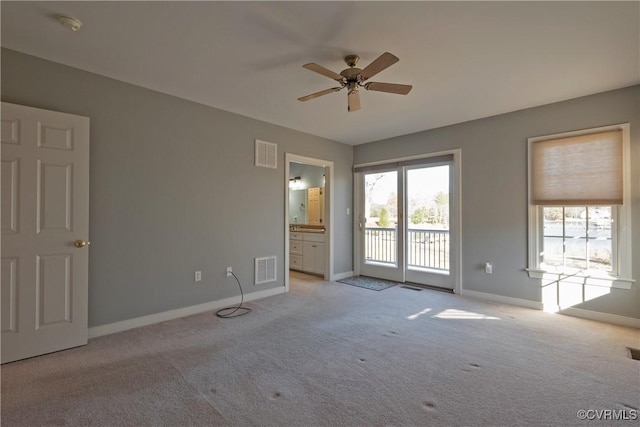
578, 170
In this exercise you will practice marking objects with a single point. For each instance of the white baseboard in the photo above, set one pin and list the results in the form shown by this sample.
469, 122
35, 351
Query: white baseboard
111, 328
502, 299
602, 317
341, 276
575, 312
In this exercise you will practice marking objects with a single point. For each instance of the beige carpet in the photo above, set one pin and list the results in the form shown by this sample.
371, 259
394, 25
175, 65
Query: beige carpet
329, 354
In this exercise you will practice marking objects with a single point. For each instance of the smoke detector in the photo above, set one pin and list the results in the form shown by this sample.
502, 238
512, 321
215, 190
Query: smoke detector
70, 23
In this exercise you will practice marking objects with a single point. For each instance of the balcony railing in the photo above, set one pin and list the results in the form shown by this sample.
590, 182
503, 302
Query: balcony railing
425, 248
380, 244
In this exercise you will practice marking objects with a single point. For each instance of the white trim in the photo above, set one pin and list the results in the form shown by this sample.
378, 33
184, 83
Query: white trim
340, 276
403, 159
456, 265
329, 210
358, 221
581, 278
287, 172
124, 325
502, 299
601, 317
569, 311
625, 259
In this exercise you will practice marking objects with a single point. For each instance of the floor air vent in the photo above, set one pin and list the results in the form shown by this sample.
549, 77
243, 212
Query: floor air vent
634, 353
421, 287
265, 270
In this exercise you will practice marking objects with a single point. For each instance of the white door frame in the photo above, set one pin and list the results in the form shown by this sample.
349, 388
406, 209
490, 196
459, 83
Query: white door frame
328, 207
456, 239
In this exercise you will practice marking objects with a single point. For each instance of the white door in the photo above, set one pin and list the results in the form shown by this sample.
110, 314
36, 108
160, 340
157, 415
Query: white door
45, 229
428, 228
313, 206
381, 238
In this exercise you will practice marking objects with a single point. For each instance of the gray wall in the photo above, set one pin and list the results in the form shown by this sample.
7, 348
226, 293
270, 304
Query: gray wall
494, 188
174, 190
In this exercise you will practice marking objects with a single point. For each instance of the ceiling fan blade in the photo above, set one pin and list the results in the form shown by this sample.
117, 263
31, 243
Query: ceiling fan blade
389, 87
317, 94
324, 71
354, 101
384, 61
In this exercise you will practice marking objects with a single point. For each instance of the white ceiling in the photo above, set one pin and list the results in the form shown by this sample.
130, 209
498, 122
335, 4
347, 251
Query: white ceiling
465, 60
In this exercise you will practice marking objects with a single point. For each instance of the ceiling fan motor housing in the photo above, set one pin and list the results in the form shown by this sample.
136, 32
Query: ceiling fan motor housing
351, 74
352, 78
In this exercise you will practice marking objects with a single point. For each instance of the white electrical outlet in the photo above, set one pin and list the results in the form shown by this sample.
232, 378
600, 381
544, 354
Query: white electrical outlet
197, 276
229, 271
488, 268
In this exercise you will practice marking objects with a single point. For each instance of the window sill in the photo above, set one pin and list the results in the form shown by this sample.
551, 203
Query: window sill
581, 278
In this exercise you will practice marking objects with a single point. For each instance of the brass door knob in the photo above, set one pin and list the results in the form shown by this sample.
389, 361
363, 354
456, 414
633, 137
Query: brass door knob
80, 243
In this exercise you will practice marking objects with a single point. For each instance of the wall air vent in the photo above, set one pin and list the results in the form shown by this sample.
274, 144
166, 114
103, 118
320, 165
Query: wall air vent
266, 154
265, 270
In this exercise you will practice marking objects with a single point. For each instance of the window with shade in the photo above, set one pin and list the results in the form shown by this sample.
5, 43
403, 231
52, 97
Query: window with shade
579, 207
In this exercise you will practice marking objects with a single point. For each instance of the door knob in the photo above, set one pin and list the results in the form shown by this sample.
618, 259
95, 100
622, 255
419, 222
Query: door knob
80, 243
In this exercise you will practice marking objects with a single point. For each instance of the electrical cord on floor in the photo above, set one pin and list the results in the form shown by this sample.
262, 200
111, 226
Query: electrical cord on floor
240, 310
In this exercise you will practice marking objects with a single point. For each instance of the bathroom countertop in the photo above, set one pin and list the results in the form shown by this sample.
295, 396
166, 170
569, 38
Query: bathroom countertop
305, 228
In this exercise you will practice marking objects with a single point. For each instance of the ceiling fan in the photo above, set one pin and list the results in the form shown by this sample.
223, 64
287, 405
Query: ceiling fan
354, 78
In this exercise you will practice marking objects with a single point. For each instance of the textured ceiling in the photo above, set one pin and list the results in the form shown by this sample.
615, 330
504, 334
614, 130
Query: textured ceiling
466, 60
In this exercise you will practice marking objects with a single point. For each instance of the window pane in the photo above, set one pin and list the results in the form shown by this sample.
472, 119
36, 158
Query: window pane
600, 238
575, 233
579, 237
381, 216
428, 226
553, 236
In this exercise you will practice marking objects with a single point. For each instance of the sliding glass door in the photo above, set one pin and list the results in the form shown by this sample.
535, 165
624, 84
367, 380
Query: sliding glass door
405, 223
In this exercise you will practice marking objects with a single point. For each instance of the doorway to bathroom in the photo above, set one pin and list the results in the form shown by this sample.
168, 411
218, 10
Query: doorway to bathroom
308, 216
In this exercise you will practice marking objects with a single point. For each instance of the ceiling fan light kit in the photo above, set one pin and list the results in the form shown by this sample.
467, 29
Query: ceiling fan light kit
354, 78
